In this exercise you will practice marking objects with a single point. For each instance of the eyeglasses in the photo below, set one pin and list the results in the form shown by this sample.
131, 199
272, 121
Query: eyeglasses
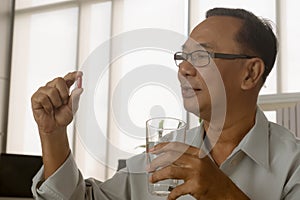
201, 58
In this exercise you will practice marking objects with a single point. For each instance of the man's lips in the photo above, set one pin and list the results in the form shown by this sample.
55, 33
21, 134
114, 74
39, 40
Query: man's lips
188, 92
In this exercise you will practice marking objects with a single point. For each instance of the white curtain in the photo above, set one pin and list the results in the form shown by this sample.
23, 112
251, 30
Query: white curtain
53, 37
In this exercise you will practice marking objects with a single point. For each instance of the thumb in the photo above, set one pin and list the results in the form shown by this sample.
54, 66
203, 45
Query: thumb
74, 99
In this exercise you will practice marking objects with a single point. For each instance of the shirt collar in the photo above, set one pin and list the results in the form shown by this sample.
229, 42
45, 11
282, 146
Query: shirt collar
256, 143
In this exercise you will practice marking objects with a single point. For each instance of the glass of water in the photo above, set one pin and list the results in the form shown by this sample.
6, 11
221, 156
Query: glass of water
163, 129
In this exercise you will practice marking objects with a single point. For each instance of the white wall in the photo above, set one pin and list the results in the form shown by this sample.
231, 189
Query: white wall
6, 7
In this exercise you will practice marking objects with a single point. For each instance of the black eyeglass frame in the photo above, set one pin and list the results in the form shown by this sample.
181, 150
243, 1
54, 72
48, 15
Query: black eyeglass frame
211, 55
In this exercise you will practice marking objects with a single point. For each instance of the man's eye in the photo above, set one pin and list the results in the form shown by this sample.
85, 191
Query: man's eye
199, 56
180, 57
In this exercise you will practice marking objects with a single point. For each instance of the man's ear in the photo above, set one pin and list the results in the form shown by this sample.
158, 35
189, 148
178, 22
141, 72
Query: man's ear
252, 73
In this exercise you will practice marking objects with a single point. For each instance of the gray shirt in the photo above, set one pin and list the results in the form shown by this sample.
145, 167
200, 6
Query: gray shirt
265, 166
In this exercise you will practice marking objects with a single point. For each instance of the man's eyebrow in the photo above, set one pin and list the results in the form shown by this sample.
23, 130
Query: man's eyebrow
206, 45
203, 45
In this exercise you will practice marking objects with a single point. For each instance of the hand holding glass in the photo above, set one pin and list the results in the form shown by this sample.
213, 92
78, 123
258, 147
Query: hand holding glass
163, 129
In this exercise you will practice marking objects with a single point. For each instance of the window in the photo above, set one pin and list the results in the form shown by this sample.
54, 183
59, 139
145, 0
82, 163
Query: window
44, 47
60, 36
52, 37
289, 39
21, 4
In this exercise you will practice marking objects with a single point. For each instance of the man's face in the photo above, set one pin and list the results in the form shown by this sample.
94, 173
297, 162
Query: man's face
215, 34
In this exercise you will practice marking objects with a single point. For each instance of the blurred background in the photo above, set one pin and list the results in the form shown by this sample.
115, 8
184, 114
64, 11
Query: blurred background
43, 39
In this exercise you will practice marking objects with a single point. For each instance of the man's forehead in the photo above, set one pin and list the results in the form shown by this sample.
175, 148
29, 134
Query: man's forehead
213, 33
192, 44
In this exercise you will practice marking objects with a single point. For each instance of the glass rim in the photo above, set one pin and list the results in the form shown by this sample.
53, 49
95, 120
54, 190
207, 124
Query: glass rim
183, 125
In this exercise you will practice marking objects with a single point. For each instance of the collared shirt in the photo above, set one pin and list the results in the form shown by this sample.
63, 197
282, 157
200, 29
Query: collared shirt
265, 166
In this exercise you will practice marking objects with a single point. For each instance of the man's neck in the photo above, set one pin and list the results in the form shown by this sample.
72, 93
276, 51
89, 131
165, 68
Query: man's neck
234, 130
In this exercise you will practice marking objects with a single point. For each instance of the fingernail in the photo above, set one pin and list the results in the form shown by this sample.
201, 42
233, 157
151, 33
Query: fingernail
79, 82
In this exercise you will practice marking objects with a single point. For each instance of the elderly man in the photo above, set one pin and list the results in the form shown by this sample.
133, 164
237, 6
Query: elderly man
251, 159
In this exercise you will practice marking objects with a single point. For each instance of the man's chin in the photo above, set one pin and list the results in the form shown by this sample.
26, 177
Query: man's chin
192, 108
200, 110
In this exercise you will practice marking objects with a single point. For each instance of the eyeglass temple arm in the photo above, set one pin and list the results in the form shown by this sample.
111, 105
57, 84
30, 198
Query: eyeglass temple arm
230, 56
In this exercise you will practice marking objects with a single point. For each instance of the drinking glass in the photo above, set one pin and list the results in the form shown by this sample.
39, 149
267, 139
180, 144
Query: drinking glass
163, 129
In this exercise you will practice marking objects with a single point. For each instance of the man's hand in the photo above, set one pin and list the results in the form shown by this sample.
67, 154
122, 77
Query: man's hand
53, 108
52, 105
202, 178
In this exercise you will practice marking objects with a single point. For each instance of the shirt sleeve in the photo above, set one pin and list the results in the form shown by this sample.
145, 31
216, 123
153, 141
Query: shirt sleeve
292, 188
67, 183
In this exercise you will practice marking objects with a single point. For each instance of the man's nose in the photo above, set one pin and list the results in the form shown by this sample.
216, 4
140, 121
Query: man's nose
187, 69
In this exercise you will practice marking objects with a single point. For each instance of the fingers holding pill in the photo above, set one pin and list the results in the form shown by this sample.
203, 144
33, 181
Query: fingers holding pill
79, 82
45, 102
61, 86
74, 99
53, 106
71, 77
53, 95
75, 94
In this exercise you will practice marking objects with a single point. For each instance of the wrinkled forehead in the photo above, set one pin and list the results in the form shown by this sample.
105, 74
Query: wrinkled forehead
193, 45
